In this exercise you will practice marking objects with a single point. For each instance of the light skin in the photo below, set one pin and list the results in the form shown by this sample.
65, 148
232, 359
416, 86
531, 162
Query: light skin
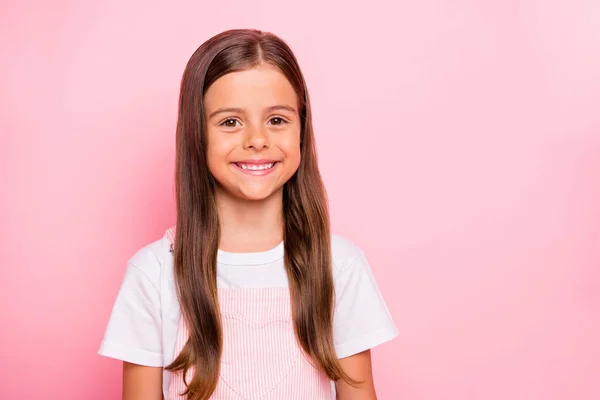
252, 115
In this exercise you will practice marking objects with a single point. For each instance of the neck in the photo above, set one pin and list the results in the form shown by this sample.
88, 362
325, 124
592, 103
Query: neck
250, 226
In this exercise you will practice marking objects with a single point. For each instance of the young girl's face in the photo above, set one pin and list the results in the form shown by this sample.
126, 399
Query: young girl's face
253, 132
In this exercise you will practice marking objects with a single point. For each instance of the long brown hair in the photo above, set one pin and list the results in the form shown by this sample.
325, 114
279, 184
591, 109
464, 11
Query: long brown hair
306, 233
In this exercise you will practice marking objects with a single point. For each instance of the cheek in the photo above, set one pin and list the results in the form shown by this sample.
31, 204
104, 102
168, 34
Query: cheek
290, 145
218, 149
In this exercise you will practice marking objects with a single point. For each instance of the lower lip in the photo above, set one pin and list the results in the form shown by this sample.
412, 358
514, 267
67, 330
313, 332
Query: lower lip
256, 172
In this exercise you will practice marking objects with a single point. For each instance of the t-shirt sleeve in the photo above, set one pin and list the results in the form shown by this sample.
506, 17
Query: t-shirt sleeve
361, 319
133, 333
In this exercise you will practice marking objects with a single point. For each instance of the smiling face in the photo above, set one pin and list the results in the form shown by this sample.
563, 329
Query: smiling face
253, 132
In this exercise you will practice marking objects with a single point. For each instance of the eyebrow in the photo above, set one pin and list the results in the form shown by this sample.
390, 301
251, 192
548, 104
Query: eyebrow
241, 110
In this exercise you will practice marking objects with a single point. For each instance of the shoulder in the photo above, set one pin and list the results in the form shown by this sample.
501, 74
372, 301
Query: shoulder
361, 317
344, 253
151, 259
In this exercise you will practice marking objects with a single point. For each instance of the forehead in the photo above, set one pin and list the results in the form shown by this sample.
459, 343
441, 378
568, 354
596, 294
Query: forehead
261, 86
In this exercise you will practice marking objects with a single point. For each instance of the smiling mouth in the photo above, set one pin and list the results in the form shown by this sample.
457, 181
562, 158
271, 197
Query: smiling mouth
256, 167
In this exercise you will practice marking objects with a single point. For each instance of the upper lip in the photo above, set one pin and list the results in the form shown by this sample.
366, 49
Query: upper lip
257, 162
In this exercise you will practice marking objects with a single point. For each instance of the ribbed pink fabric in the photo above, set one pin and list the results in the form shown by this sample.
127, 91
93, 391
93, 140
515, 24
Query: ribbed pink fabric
261, 357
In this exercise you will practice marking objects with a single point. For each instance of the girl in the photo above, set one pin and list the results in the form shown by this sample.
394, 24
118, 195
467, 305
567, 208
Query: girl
249, 296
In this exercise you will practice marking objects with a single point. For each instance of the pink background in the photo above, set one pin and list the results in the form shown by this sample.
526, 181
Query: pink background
459, 140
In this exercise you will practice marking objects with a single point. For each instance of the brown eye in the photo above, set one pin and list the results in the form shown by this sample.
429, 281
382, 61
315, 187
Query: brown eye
277, 121
230, 123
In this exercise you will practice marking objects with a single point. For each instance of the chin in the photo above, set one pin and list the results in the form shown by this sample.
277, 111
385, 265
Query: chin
246, 191
259, 196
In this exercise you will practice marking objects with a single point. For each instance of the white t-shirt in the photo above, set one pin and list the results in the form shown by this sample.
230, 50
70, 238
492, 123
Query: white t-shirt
144, 323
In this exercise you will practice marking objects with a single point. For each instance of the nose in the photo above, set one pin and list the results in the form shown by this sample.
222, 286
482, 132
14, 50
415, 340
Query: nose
256, 138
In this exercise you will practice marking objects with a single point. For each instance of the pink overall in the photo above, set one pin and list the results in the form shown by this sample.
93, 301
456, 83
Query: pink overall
261, 357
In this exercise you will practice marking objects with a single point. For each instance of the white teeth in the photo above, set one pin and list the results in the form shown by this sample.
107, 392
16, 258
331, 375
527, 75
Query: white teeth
256, 167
